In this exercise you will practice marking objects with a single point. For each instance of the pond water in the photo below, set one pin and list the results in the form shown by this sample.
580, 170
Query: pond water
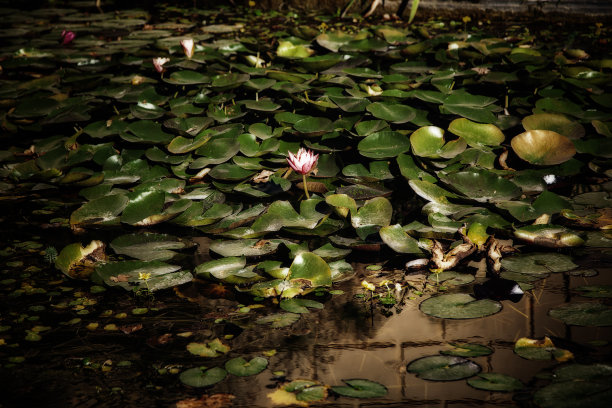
163, 248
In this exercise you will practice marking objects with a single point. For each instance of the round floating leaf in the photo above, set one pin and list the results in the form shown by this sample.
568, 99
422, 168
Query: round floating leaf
577, 386
186, 77
147, 246
181, 144
146, 131
459, 306
384, 144
100, 210
245, 247
467, 350
279, 320
200, 377
311, 268
360, 388
451, 278
583, 314
221, 268
495, 382
78, 262
264, 105
476, 134
320, 62
555, 122
398, 240
313, 126
600, 291
377, 211
539, 263
543, 147
396, 113
482, 185
142, 207
240, 367
299, 305
427, 141
549, 235
443, 368
531, 349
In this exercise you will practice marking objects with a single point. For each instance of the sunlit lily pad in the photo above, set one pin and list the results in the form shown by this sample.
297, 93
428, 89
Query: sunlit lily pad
240, 367
359, 388
101, 210
539, 263
543, 147
583, 314
459, 306
77, 261
398, 240
476, 134
556, 122
443, 368
495, 382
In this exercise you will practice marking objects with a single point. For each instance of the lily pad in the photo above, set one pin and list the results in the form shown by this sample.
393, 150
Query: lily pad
495, 382
459, 306
202, 377
360, 388
583, 314
476, 134
599, 291
467, 350
443, 368
147, 246
240, 367
299, 305
396, 113
279, 320
556, 122
398, 240
482, 185
383, 144
543, 147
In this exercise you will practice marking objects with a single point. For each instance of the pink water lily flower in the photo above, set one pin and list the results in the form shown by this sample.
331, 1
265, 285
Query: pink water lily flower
303, 162
67, 37
159, 62
187, 45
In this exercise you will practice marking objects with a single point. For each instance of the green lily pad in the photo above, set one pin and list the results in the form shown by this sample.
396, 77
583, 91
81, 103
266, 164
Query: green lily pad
398, 240
583, 314
451, 278
77, 261
395, 113
240, 367
549, 235
279, 320
543, 147
135, 275
313, 126
201, 377
467, 350
186, 77
360, 388
310, 268
555, 122
383, 144
146, 131
443, 368
100, 210
599, 291
495, 382
245, 247
539, 263
459, 306
299, 305
477, 134
577, 386
147, 246
377, 211
482, 185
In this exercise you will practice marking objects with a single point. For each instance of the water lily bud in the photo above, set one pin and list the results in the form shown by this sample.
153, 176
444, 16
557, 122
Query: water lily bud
188, 47
159, 62
67, 37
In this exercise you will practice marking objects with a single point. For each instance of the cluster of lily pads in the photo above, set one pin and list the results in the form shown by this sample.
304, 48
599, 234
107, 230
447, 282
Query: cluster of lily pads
424, 134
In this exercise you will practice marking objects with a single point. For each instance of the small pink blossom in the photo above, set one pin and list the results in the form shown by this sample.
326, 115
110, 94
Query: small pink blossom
67, 37
159, 62
303, 161
187, 45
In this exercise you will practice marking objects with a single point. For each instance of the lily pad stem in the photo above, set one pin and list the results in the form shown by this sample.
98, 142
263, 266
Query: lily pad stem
305, 186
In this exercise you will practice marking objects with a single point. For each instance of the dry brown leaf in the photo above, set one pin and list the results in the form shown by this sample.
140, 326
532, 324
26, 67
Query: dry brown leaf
119, 278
